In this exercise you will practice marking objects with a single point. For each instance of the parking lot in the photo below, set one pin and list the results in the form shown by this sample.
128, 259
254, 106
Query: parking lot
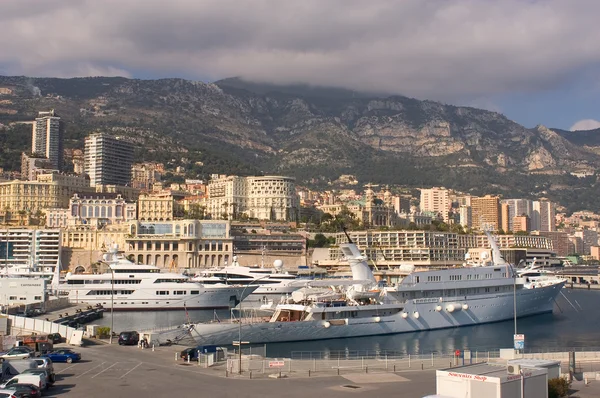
118, 371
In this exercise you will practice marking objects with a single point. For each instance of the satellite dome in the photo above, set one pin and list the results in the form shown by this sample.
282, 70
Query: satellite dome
278, 264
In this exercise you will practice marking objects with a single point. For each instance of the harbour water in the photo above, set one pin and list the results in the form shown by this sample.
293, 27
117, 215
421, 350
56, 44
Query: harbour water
575, 323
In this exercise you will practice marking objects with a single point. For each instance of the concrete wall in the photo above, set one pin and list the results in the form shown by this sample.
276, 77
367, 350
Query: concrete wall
21, 326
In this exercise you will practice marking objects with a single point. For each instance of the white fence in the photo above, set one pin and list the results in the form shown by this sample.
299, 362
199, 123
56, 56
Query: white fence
24, 326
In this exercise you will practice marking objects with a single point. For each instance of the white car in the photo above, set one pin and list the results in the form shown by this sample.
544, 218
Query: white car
18, 353
38, 380
7, 394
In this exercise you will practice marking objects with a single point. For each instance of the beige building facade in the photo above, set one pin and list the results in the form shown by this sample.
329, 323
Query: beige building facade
48, 191
436, 200
181, 244
261, 197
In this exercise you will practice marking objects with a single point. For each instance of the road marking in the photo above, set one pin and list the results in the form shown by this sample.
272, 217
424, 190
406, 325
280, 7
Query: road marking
131, 370
89, 370
68, 367
104, 370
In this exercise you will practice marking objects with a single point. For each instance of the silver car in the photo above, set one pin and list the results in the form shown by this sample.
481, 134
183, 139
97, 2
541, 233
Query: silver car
18, 353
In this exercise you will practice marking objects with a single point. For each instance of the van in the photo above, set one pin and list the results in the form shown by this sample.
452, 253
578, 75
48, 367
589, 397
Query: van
36, 380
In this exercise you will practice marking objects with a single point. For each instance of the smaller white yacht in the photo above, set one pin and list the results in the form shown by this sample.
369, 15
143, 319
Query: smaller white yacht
536, 276
272, 284
137, 286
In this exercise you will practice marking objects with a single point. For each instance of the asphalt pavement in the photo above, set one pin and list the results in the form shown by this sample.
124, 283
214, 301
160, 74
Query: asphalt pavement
127, 371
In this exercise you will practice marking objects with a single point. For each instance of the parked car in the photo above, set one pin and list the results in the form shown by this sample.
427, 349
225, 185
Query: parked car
191, 352
7, 394
24, 390
55, 338
21, 352
40, 371
129, 338
36, 380
64, 355
43, 362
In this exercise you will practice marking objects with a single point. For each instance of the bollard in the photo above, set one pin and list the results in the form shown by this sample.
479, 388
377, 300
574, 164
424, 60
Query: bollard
250, 374
450, 363
280, 374
394, 368
366, 369
176, 356
421, 365
308, 372
152, 347
226, 373
338, 371
432, 360
188, 358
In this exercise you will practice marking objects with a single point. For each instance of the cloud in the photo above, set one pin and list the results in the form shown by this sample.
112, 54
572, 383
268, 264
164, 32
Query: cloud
585, 124
460, 50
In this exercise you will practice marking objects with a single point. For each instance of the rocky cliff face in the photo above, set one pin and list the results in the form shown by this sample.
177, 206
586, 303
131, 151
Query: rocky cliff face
298, 131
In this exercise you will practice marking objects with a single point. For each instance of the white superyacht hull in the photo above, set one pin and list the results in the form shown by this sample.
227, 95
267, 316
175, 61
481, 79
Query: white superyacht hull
210, 297
479, 309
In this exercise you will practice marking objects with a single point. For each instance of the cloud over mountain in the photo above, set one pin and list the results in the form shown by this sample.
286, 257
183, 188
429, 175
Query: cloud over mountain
586, 124
464, 49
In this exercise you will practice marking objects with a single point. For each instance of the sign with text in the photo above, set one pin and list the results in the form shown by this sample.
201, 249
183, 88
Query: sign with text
519, 340
276, 364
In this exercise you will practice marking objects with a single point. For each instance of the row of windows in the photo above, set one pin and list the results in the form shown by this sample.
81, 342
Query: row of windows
176, 292
14, 298
108, 292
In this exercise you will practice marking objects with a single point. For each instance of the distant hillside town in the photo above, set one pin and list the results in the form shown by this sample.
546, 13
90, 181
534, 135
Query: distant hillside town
53, 218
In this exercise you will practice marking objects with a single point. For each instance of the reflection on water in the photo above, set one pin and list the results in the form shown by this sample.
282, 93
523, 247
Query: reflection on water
568, 326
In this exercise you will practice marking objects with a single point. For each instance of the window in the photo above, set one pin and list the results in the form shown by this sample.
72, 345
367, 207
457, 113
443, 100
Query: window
38, 298
195, 292
12, 298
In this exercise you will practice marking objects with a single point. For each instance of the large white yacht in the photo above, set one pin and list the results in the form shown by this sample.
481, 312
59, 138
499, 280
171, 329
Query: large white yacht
424, 300
273, 284
137, 287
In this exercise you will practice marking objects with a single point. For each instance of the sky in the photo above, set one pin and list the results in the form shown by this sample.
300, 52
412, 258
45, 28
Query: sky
536, 61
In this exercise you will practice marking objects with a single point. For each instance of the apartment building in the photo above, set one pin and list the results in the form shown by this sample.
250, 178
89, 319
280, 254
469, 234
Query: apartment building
159, 206
48, 191
428, 248
542, 213
436, 200
485, 213
521, 224
30, 247
262, 198
108, 160
47, 138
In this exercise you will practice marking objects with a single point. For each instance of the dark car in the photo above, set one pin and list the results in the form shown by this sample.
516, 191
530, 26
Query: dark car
191, 352
22, 390
55, 338
129, 338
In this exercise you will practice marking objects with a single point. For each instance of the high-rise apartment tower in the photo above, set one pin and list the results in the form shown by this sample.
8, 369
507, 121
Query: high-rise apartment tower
108, 160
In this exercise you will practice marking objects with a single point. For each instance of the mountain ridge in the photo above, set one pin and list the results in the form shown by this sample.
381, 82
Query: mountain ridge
313, 133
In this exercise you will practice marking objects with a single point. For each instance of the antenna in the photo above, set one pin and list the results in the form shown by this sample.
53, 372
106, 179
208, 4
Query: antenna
346, 233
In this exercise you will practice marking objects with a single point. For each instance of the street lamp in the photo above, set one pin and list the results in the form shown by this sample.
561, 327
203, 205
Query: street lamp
240, 342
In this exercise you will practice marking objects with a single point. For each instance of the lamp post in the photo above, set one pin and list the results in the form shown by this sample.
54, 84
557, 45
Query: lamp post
240, 342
